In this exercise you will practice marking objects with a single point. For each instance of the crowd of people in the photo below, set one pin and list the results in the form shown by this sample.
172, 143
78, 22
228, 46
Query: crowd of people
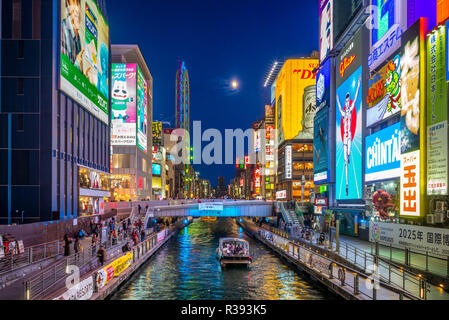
231, 249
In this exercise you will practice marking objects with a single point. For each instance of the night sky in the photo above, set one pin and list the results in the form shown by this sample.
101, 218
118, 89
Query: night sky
220, 41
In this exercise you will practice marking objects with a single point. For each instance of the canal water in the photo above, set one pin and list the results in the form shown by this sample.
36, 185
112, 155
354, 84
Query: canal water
186, 269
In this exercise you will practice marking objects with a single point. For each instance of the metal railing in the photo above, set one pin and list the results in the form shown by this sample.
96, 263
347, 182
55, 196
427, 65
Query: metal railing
406, 256
388, 273
31, 255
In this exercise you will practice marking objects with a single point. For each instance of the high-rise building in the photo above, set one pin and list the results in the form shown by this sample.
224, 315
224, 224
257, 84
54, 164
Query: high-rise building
54, 110
132, 105
184, 180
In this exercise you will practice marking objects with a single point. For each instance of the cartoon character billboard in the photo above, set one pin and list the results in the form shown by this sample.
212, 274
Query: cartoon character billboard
349, 138
384, 92
84, 72
124, 83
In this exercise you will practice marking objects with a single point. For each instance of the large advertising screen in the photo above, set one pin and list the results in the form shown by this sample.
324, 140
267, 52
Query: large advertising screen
349, 138
320, 146
384, 92
124, 106
437, 113
84, 47
142, 111
326, 28
295, 99
388, 22
383, 154
344, 12
157, 133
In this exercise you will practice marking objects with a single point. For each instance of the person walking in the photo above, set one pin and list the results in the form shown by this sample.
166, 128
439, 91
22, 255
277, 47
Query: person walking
67, 242
101, 254
77, 244
142, 236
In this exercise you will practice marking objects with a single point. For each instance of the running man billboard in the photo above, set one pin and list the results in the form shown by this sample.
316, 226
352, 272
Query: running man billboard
84, 72
349, 121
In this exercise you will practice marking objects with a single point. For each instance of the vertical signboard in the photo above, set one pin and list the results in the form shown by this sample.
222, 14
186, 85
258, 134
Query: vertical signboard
326, 28
349, 121
288, 162
437, 121
410, 184
388, 22
84, 72
124, 107
157, 133
323, 92
142, 113
321, 147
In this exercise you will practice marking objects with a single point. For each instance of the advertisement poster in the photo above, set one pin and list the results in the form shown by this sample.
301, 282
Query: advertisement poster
295, 97
84, 74
384, 92
437, 114
326, 28
383, 154
210, 206
410, 90
323, 93
410, 184
321, 146
81, 291
156, 169
388, 22
114, 269
157, 133
124, 107
349, 138
142, 111
425, 239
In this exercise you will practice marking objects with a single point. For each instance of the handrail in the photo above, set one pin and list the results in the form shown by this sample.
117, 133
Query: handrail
297, 251
393, 271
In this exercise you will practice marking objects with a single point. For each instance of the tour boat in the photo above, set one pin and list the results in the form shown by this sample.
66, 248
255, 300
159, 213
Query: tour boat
233, 251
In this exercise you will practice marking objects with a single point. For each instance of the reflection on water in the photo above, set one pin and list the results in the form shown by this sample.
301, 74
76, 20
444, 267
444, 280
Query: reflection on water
186, 269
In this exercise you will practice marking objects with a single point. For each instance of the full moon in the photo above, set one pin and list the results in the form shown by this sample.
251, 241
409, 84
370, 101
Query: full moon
234, 84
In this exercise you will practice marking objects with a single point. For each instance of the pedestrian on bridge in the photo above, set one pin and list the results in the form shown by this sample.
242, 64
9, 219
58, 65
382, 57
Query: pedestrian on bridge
67, 242
101, 254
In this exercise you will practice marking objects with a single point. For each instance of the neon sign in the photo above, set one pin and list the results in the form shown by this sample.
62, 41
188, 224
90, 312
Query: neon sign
344, 65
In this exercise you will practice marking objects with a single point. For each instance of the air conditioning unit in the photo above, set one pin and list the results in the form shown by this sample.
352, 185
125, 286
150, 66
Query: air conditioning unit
430, 219
439, 218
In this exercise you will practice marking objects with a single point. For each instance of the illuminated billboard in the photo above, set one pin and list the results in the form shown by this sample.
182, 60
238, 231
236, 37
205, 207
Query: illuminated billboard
142, 111
388, 22
157, 133
84, 72
442, 10
437, 113
326, 28
410, 90
384, 92
124, 107
349, 138
321, 146
295, 99
156, 169
323, 81
410, 184
383, 154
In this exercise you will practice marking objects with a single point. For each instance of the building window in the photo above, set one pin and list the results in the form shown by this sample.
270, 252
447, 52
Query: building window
20, 86
20, 123
20, 50
17, 19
